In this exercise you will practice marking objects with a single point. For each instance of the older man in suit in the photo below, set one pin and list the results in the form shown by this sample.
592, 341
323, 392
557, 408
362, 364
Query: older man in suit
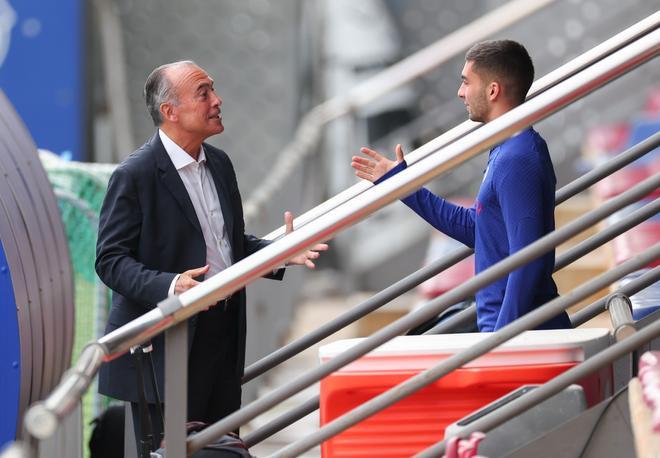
171, 216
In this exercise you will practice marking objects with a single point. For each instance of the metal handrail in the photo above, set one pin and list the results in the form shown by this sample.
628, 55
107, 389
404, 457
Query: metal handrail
431, 309
553, 386
643, 281
177, 309
571, 68
469, 314
555, 98
577, 319
383, 297
457, 360
390, 79
620, 309
579, 250
282, 421
373, 303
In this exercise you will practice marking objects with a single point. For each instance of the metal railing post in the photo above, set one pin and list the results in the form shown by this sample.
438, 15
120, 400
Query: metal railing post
176, 389
620, 310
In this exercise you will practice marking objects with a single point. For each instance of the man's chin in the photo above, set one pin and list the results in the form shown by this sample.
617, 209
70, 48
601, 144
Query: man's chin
474, 118
218, 129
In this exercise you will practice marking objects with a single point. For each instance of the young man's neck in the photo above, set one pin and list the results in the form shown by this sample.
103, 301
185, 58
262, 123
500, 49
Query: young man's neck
499, 110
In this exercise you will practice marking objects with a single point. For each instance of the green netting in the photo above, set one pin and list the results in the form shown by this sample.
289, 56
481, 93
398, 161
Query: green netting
80, 189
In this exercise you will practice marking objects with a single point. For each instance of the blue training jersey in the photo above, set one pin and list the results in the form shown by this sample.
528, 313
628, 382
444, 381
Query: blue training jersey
514, 207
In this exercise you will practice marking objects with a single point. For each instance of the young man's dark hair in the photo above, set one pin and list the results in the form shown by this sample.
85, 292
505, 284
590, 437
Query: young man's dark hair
505, 61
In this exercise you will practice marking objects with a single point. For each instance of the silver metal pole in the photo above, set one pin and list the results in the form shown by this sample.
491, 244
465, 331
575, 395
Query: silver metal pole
469, 315
395, 76
415, 383
633, 287
282, 421
176, 390
553, 78
42, 419
616, 163
553, 386
357, 312
620, 310
607, 234
431, 309
383, 297
563, 260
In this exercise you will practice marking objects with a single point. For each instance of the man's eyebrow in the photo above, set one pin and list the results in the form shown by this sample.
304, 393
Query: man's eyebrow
205, 86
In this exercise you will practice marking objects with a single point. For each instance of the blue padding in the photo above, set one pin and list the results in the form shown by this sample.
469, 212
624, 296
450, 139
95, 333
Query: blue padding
10, 370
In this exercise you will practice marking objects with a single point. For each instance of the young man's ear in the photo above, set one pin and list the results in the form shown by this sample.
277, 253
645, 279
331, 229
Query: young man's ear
493, 91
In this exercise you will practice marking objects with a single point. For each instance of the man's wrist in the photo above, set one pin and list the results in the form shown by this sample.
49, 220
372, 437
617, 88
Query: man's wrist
170, 292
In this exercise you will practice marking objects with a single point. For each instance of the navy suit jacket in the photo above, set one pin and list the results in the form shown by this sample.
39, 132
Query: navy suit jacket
148, 233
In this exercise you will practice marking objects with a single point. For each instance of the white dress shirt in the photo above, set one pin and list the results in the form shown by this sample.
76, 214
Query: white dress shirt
198, 182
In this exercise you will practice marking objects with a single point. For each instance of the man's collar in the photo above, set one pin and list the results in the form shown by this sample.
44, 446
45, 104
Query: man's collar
178, 155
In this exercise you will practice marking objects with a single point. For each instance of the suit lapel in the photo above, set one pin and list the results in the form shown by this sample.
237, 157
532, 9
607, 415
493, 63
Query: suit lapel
220, 180
172, 181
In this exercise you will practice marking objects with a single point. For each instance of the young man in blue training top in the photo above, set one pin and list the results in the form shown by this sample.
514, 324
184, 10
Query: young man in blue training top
516, 201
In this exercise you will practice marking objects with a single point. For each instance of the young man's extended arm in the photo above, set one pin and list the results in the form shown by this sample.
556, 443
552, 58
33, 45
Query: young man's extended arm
455, 221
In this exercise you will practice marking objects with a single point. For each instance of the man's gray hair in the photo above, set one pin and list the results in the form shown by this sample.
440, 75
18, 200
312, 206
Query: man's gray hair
158, 89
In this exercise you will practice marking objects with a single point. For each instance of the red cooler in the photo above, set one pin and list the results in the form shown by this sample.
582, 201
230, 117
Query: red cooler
419, 420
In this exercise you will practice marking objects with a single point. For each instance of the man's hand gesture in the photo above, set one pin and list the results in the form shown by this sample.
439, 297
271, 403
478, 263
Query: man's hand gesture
187, 279
307, 257
376, 165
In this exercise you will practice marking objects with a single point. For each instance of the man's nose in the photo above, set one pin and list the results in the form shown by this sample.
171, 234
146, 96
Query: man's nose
460, 92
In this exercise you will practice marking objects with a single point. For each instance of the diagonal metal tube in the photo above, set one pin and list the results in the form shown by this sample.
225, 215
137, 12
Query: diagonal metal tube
282, 421
553, 386
500, 269
357, 312
469, 315
563, 260
402, 184
553, 78
415, 383
635, 286
390, 79
414, 279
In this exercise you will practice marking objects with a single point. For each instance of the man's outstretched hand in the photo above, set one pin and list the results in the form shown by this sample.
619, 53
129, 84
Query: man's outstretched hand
376, 165
306, 258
